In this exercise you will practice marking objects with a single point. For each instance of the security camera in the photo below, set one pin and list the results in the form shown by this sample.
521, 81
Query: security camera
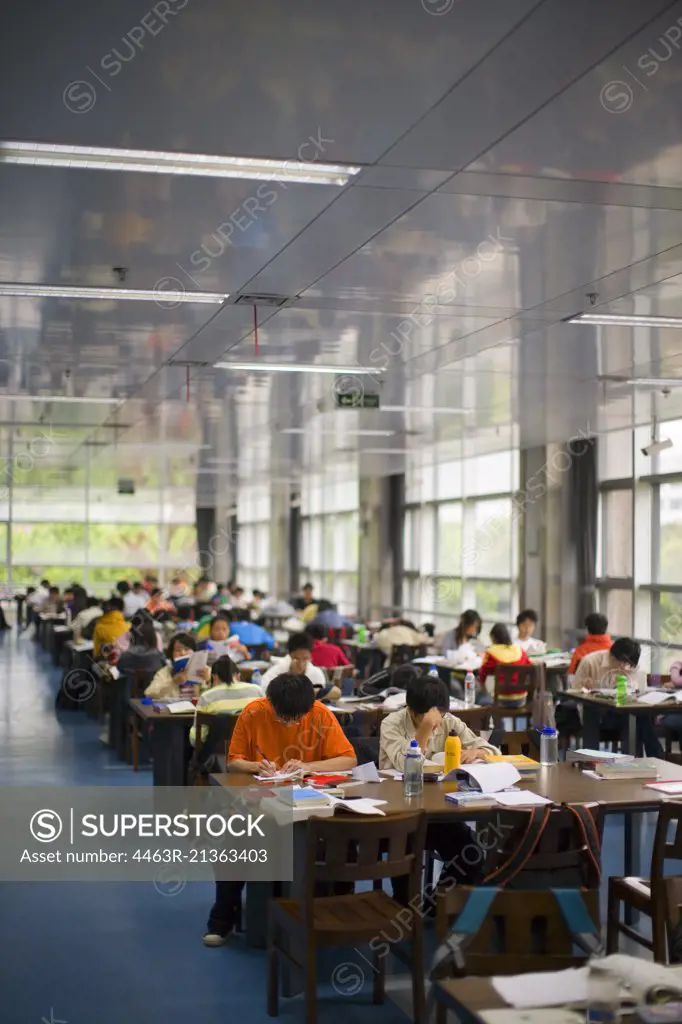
657, 446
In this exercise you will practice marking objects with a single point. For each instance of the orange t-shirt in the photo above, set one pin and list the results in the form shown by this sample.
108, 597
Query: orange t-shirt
317, 737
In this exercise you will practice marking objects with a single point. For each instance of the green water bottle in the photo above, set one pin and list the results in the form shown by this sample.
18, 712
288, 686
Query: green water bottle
362, 634
621, 690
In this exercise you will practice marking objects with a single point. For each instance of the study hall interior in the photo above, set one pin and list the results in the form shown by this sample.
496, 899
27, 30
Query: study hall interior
341, 480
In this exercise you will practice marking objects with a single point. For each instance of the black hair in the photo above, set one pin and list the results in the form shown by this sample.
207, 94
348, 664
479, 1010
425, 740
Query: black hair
403, 675
240, 615
299, 642
30, 590
238, 590
142, 631
123, 587
92, 602
137, 583
527, 615
307, 586
291, 696
626, 650
44, 583
596, 624
224, 669
428, 628
499, 634
185, 612
186, 639
323, 605
470, 617
54, 590
155, 591
426, 692
315, 631
115, 604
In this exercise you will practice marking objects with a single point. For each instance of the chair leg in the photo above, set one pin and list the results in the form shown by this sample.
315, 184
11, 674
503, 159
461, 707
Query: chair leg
310, 992
273, 971
379, 964
612, 920
659, 935
418, 993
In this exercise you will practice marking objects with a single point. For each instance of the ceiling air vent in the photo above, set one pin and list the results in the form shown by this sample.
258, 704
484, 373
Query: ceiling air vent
262, 300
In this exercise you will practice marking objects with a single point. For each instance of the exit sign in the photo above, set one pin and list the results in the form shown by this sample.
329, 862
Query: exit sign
351, 400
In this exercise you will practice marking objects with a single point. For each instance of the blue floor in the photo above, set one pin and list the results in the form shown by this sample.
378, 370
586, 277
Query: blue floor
116, 953
124, 953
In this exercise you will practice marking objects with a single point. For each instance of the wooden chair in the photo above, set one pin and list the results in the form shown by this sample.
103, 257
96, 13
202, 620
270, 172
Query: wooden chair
402, 653
524, 932
649, 896
511, 679
349, 850
519, 741
341, 673
220, 728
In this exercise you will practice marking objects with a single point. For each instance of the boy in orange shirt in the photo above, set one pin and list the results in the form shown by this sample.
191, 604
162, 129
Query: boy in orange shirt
281, 732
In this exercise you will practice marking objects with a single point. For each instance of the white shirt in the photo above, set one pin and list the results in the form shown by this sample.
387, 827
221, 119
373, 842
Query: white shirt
531, 645
38, 597
314, 674
133, 602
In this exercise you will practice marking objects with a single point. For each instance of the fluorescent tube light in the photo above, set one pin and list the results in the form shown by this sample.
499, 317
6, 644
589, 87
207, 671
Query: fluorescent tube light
654, 382
354, 433
625, 320
38, 154
160, 296
355, 371
657, 446
437, 409
387, 451
73, 399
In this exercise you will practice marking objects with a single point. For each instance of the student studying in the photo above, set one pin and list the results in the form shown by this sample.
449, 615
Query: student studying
284, 731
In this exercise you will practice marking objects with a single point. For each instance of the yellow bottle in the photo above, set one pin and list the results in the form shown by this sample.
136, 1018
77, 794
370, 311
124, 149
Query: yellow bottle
453, 753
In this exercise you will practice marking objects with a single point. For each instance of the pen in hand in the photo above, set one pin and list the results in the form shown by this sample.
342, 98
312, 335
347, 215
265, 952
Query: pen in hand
267, 765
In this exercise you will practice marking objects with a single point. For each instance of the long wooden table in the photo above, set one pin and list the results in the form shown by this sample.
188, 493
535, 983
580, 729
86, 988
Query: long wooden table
594, 708
469, 998
169, 739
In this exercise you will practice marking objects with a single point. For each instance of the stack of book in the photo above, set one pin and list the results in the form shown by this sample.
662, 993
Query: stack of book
627, 770
302, 796
526, 767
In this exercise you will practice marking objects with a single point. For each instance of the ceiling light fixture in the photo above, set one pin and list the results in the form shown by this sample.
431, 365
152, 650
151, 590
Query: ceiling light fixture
625, 320
330, 432
38, 154
72, 399
654, 382
162, 296
437, 409
354, 371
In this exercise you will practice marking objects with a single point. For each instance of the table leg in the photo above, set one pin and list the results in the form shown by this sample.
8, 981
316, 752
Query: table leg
632, 736
168, 751
591, 719
632, 852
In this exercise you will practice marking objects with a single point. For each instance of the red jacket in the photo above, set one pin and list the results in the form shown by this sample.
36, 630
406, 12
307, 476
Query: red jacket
500, 654
326, 655
592, 642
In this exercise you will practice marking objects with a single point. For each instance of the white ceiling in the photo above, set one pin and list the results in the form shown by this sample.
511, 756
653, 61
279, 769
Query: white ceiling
518, 155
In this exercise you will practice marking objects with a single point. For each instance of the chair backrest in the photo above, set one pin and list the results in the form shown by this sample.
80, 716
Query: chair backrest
657, 679
524, 932
667, 846
342, 672
140, 678
516, 684
358, 848
220, 728
402, 653
259, 652
562, 857
516, 742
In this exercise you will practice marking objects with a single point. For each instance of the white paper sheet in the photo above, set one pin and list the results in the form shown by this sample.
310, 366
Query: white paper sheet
364, 805
550, 988
492, 776
392, 773
656, 697
197, 661
181, 707
521, 798
365, 772
546, 1015
395, 701
671, 788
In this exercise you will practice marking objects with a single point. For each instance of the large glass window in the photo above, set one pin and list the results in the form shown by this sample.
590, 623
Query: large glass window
330, 538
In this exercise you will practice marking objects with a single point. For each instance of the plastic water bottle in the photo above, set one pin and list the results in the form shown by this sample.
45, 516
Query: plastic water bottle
469, 690
621, 690
413, 771
362, 634
433, 672
549, 746
256, 678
